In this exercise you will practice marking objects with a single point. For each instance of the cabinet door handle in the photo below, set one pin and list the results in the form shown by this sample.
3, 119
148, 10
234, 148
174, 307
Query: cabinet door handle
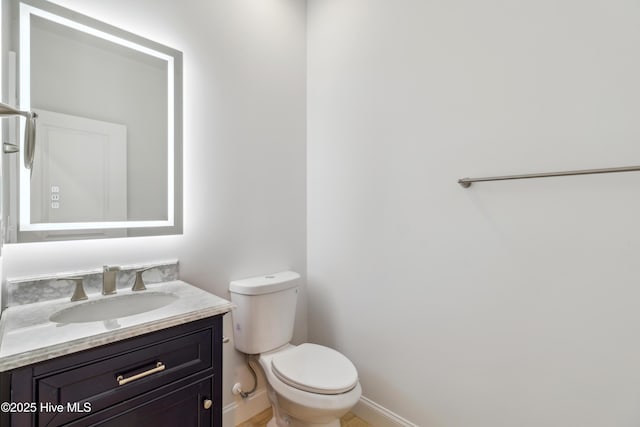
206, 404
122, 380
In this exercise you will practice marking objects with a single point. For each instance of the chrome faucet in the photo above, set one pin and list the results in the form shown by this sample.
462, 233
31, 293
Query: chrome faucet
109, 274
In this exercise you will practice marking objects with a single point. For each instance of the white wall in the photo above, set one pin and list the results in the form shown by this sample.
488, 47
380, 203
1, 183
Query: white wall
244, 149
507, 304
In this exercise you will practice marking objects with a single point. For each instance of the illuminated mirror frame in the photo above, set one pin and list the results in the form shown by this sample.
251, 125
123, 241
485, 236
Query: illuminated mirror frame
76, 21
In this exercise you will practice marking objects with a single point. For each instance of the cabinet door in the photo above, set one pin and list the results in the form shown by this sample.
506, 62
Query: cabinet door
184, 407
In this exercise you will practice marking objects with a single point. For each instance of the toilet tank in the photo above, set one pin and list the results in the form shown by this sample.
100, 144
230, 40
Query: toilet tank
265, 311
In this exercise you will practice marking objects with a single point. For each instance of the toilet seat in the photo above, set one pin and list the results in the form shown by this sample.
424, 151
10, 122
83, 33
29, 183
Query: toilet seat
315, 368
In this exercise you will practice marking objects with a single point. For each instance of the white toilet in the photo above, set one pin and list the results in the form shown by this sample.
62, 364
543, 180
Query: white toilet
308, 385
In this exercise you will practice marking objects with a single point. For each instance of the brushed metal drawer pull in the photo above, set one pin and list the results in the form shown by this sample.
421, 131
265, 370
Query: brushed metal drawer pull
122, 380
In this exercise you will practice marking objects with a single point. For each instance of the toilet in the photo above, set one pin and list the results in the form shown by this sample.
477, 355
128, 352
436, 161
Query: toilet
308, 385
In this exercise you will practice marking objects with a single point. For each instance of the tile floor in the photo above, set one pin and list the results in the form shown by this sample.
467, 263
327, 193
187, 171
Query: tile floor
263, 418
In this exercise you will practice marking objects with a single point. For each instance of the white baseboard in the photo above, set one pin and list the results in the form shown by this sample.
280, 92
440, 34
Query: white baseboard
241, 410
379, 416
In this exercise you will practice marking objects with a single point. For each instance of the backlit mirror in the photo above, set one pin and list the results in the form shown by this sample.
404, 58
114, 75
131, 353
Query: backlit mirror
108, 147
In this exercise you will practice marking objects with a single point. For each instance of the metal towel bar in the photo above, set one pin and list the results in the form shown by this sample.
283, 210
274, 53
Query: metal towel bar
466, 182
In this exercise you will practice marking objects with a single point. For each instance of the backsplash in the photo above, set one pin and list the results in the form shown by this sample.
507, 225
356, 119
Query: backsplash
27, 290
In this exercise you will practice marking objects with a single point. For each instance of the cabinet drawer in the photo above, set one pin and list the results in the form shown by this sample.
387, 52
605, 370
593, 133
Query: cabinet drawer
181, 405
108, 382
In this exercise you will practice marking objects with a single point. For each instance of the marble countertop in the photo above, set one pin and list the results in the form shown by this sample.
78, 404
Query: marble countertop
28, 336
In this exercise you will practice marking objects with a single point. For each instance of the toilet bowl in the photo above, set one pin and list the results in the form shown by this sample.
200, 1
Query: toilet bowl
308, 385
312, 385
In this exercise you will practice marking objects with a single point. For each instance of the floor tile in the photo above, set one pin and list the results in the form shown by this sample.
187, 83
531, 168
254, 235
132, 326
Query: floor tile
261, 420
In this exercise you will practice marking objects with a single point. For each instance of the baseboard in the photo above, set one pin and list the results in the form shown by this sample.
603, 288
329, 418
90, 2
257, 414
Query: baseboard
240, 411
378, 415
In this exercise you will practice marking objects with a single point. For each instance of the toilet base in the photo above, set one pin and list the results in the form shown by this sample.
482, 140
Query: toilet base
296, 423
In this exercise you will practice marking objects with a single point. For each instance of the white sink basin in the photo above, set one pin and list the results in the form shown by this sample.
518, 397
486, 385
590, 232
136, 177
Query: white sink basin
113, 307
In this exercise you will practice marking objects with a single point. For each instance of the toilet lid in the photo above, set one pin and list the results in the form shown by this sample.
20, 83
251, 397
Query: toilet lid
315, 368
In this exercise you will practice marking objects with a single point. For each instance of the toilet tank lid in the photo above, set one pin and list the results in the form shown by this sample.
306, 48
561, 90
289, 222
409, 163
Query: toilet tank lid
265, 284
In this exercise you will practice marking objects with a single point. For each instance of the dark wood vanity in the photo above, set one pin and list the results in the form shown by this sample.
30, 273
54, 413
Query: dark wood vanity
171, 377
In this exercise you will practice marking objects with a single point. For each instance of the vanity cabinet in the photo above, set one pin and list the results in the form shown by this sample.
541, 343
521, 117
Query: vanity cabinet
170, 377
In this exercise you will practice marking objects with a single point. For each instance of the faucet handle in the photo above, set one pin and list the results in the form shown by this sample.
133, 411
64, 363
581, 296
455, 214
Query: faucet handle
78, 293
138, 285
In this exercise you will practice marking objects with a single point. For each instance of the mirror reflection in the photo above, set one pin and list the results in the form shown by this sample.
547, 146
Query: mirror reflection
108, 129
